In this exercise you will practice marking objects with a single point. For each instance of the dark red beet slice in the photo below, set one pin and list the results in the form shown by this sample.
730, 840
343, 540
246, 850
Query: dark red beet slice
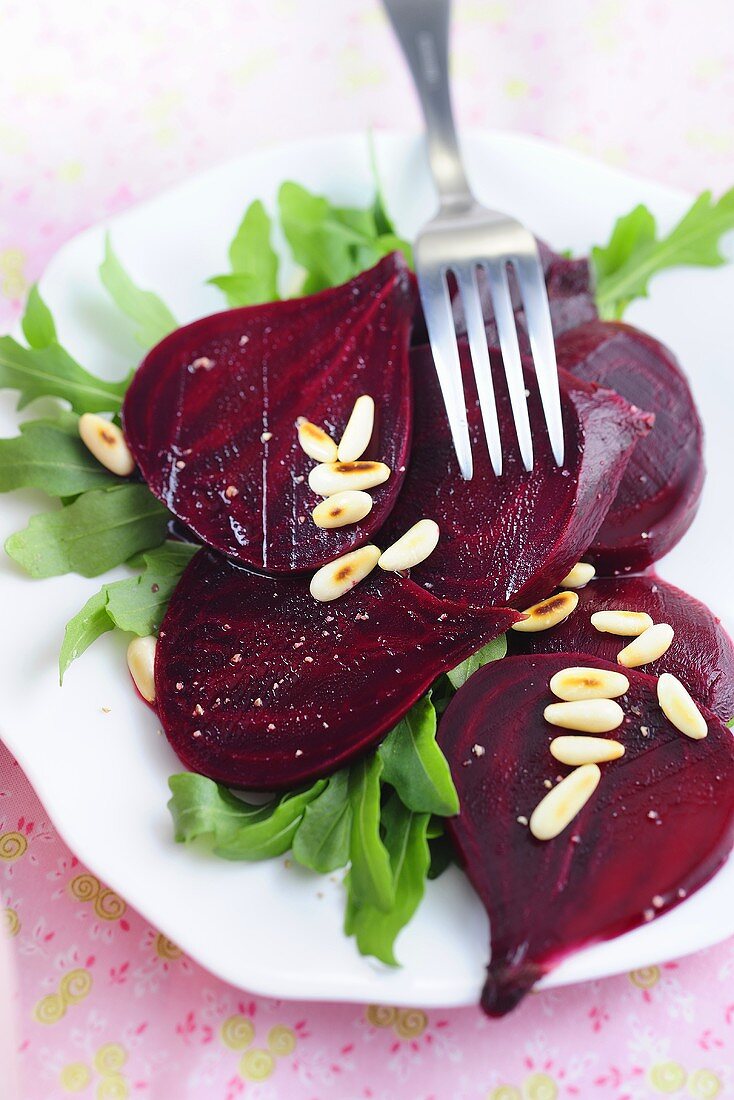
658, 826
509, 540
660, 491
214, 406
276, 689
702, 653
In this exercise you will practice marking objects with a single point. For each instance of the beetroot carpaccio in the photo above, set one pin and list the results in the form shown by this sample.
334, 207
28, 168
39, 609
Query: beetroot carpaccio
658, 826
661, 488
210, 416
701, 654
258, 685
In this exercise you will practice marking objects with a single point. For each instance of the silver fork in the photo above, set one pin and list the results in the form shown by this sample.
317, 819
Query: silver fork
461, 238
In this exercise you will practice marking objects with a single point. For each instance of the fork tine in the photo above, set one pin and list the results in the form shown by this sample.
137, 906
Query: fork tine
537, 316
467, 279
440, 324
505, 318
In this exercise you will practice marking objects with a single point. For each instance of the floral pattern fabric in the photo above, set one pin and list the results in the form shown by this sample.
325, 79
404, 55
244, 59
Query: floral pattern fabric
103, 104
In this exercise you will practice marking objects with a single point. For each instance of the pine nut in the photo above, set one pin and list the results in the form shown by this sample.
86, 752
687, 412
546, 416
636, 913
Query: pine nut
585, 750
650, 645
411, 548
678, 707
626, 623
338, 577
342, 508
561, 805
547, 613
579, 576
317, 443
585, 715
107, 443
573, 684
358, 431
141, 662
334, 477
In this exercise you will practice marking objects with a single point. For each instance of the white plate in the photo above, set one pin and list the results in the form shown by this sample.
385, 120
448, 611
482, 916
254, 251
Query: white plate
270, 928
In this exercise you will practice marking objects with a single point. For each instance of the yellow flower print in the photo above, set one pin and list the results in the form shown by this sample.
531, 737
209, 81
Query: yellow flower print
505, 1092
411, 1023
110, 1058
704, 1085
12, 261
75, 986
75, 1077
113, 1087
667, 1076
12, 845
84, 887
539, 1086
166, 949
257, 1064
11, 921
237, 1032
646, 977
49, 1009
281, 1041
380, 1015
108, 905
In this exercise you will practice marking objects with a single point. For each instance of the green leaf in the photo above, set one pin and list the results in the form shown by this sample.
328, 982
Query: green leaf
100, 529
136, 604
46, 455
152, 318
405, 837
319, 243
415, 766
51, 372
237, 830
370, 877
322, 840
442, 856
492, 651
38, 324
254, 261
635, 252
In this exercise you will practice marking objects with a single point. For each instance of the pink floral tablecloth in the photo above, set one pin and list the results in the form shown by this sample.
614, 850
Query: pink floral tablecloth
103, 103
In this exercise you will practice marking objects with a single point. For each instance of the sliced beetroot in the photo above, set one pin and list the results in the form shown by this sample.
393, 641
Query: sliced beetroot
702, 653
509, 540
661, 489
260, 686
658, 826
210, 415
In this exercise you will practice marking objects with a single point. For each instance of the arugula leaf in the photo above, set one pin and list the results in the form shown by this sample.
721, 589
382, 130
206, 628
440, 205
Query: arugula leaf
100, 529
370, 877
254, 261
152, 317
405, 837
49, 455
237, 829
442, 856
136, 604
635, 252
38, 324
492, 651
322, 840
51, 372
415, 766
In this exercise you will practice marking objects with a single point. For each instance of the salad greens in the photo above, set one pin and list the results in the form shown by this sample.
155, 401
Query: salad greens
381, 817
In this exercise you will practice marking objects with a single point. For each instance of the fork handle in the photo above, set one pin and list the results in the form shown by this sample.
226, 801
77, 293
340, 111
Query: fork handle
422, 29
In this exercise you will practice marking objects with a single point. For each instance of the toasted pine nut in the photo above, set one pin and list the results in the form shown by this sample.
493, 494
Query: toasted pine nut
317, 443
650, 645
626, 623
678, 707
563, 802
585, 750
586, 715
358, 431
579, 576
338, 577
334, 477
411, 548
107, 443
572, 684
141, 662
547, 613
342, 508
